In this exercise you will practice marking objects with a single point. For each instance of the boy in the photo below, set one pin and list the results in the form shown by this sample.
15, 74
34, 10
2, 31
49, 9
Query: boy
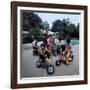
43, 53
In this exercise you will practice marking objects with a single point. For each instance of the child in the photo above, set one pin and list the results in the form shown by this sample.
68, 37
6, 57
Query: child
62, 50
43, 53
68, 51
50, 43
35, 48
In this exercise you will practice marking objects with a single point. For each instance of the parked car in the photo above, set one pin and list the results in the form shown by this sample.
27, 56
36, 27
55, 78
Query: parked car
26, 37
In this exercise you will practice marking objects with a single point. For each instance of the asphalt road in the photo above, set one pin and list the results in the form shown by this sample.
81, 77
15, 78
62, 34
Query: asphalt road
28, 61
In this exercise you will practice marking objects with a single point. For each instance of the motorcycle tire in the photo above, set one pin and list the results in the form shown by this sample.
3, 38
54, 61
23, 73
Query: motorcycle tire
58, 63
50, 69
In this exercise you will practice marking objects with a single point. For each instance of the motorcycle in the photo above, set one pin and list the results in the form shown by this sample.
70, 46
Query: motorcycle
58, 62
46, 64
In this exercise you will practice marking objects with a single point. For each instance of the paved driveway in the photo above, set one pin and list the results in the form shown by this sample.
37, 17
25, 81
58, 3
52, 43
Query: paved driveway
28, 62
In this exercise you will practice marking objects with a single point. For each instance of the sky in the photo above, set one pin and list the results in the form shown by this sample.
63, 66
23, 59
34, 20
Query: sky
51, 17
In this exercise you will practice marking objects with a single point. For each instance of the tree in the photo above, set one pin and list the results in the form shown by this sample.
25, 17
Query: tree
65, 24
65, 28
61, 27
30, 20
45, 25
35, 32
32, 23
57, 26
78, 30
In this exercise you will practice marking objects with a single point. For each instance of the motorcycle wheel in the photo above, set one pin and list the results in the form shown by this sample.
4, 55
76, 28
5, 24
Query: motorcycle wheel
58, 63
72, 57
50, 69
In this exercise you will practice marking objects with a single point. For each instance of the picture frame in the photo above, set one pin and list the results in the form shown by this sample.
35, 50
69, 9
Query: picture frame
16, 49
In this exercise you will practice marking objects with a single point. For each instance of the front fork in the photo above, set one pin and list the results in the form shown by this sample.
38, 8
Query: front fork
49, 61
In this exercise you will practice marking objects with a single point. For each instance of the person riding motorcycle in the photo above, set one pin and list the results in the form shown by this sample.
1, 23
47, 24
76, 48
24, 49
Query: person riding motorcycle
43, 53
62, 50
68, 51
50, 43
35, 48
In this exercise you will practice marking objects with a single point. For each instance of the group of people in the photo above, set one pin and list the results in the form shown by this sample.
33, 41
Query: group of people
46, 48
